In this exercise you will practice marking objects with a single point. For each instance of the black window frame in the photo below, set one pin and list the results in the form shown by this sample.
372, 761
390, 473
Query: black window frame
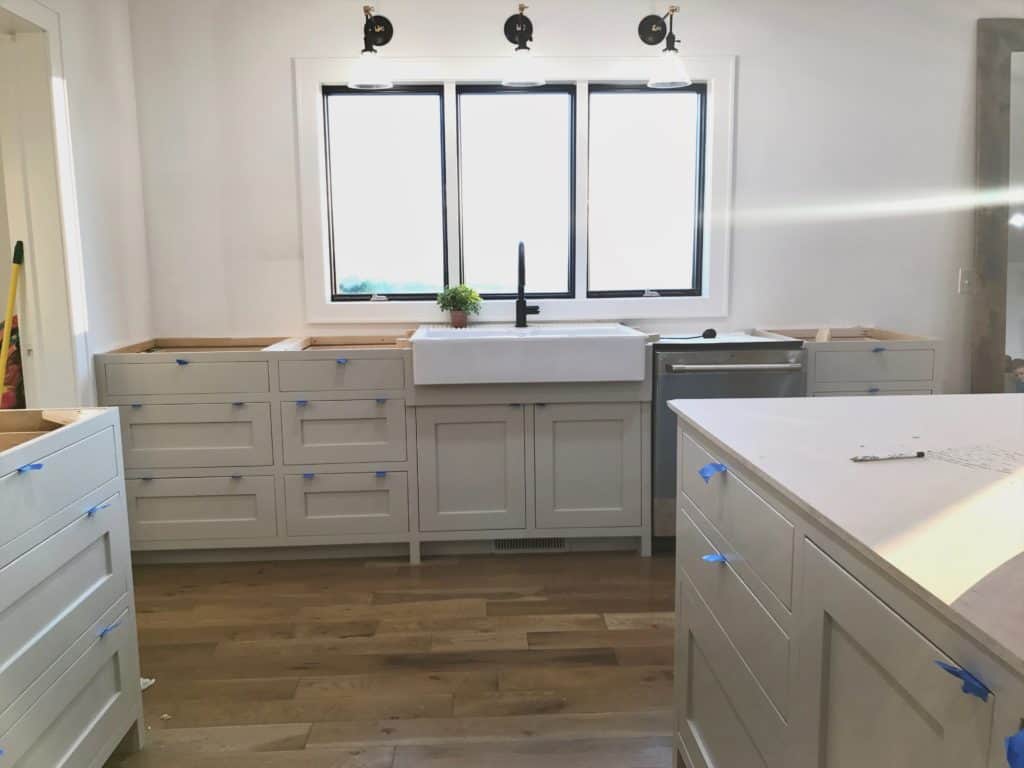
335, 90
572, 90
701, 90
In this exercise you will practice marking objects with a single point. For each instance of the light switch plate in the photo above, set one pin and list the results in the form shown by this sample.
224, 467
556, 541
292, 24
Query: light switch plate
967, 281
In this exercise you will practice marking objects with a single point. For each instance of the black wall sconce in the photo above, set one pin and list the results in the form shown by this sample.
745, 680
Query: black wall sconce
368, 73
523, 71
670, 71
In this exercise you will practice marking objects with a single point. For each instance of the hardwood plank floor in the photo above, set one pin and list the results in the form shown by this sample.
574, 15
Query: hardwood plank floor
502, 661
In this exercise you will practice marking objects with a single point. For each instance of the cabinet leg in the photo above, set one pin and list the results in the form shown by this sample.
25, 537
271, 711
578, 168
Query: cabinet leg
414, 553
645, 545
679, 762
134, 740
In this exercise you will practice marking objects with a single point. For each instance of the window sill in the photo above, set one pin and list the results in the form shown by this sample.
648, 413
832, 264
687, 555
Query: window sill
551, 310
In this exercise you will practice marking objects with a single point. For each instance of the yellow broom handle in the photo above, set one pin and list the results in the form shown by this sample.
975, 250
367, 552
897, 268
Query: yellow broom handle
12, 294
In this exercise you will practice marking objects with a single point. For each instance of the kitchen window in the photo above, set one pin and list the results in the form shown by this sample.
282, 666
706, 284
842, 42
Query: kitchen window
620, 193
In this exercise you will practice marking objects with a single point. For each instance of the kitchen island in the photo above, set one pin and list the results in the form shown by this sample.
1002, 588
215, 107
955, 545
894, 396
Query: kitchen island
835, 613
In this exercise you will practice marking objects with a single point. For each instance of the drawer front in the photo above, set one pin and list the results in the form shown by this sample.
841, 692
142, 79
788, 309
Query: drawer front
30, 497
343, 431
867, 365
170, 378
762, 538
342, 373
347, 504
209, 435
198, 508
705, 494
54, 592
86, 710
711, 679
760, 641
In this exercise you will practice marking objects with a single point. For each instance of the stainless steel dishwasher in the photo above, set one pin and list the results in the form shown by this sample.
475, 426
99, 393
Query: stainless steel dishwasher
731, 365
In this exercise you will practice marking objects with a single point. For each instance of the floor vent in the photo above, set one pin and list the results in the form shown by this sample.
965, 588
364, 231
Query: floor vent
529, 545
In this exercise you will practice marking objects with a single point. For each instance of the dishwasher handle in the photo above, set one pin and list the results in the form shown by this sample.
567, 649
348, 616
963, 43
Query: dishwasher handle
731, 367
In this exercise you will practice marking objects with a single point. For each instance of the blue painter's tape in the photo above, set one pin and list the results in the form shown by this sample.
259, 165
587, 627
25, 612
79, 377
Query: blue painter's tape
710, 470
878, 349
715, 558
308, 475
238, 405
98, 508
136, 405
342, 361
29, 468
1015, 750
180, 361
381, 400
302, 403
874, 390
381, 473
108, 629
971, 685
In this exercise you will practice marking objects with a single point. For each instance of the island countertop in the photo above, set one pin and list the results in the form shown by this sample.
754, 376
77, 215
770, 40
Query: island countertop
949, 526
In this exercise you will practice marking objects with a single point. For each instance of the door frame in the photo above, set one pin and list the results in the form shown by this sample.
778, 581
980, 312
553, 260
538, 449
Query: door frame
63, 302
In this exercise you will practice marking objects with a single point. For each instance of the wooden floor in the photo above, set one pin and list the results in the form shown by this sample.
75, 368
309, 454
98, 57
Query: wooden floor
500, 661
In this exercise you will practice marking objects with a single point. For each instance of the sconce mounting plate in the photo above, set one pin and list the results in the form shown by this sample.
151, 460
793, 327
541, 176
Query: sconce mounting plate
653, 29
518, 29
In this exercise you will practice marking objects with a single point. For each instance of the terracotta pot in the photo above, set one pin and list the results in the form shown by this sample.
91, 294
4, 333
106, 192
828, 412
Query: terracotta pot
459, 319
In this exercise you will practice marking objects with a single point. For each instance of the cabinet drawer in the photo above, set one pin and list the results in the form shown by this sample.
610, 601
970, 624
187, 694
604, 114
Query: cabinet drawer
208, 435
343, 431
711, 679
706, 495
871, 391
54, 592
867, 365
198, 508
85, 710
342, 373
763, 539
761, 642
30, 497
362, 503
190, 379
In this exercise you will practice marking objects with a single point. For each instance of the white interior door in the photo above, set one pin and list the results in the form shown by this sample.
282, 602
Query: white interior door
33, 213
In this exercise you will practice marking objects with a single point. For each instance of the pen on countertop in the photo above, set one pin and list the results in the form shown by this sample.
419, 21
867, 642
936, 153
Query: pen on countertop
891, 457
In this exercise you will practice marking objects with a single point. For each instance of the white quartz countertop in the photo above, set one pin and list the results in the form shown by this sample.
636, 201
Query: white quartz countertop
949, 526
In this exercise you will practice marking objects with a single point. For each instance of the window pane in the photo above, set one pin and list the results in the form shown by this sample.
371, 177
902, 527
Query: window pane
643, 190
516, 151
387, 192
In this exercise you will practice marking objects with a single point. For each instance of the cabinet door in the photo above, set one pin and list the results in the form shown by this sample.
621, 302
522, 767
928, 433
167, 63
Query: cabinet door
589, 465
472, 468
867, 687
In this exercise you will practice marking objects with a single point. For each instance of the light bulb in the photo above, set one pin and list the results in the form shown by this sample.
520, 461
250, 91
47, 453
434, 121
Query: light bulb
523, 70
369, 73
669, 72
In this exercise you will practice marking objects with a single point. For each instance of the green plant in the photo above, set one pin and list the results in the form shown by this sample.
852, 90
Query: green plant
459, 298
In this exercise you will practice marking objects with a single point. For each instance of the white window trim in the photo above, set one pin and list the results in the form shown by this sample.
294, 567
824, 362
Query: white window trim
717, 72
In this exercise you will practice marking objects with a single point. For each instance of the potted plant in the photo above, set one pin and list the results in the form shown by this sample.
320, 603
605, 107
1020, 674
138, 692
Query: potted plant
461, 301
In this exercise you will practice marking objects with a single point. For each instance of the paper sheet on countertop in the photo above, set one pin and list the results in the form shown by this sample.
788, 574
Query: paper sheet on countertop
994, 458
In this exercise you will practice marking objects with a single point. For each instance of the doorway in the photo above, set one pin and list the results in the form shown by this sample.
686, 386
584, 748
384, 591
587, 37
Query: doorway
37, 207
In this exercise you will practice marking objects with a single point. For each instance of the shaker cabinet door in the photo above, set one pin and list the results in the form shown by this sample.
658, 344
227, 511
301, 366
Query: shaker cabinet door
868, 689
472, 468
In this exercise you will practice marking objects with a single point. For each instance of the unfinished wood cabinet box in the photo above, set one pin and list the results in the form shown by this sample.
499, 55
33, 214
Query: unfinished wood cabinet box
863, 361
69, 663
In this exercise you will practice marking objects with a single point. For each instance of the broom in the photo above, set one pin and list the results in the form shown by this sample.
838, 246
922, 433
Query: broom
12, 294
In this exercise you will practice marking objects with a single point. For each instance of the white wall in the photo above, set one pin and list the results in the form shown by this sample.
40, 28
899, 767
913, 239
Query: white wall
841, 101
98, 68
6, 246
